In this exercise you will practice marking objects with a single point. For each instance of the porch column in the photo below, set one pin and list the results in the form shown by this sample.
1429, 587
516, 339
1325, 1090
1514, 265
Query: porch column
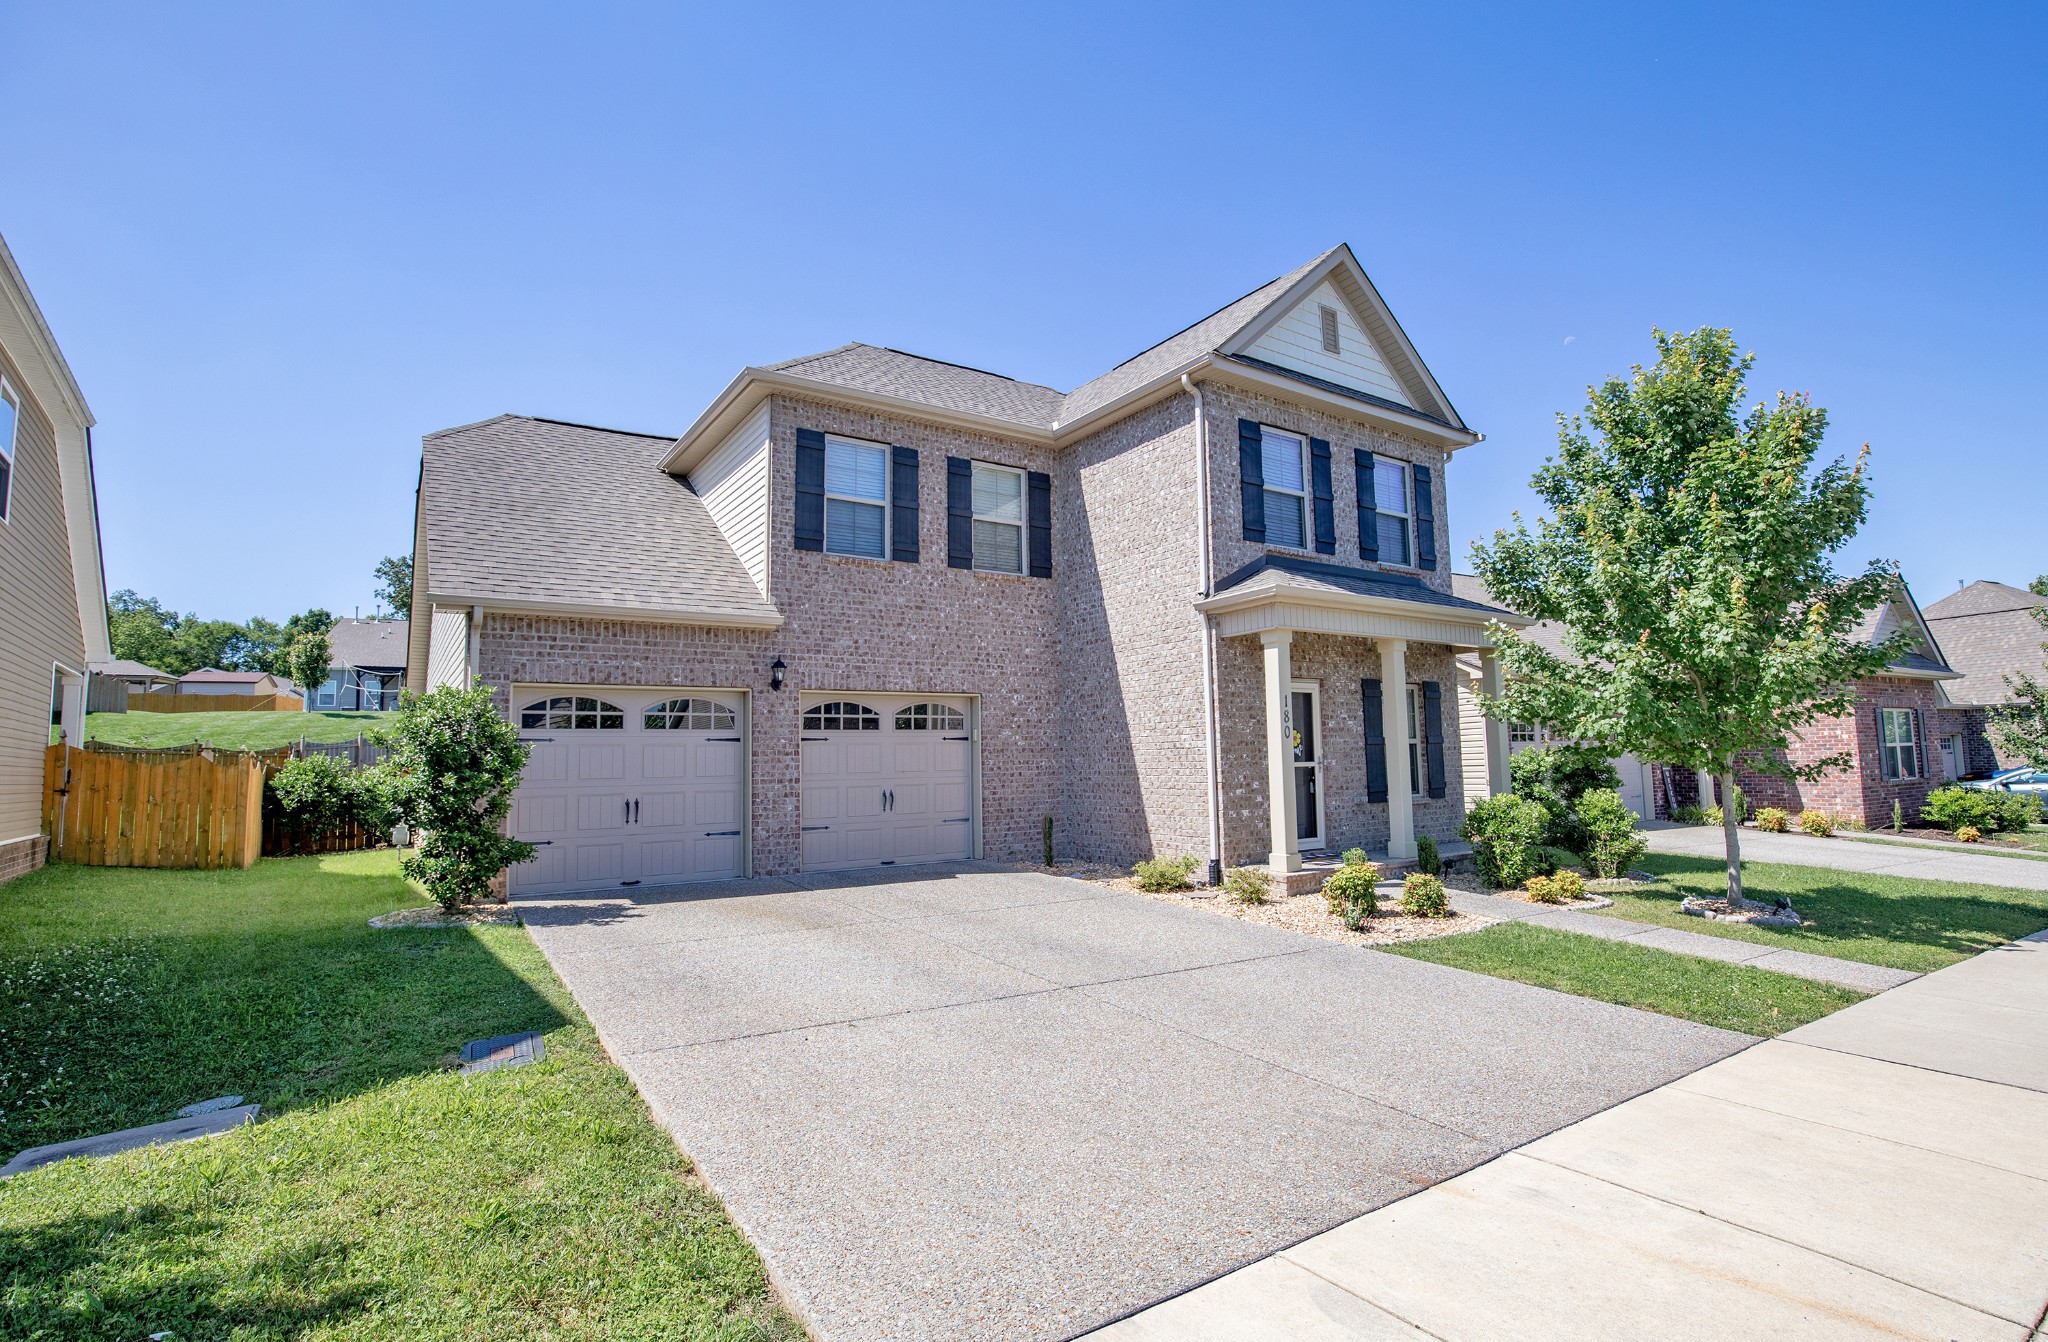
1394, 723
1705, 782
1496, 730
1279, 653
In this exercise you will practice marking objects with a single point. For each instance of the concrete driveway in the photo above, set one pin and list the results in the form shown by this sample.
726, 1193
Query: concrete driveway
965, 1102
1871, 855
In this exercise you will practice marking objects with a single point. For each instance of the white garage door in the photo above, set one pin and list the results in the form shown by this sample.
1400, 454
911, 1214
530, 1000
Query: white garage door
1635, 788
886, 779
642, 787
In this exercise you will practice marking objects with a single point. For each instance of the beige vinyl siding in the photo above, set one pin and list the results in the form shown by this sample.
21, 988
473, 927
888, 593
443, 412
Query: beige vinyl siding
448, 648
1296, 341
1471, 738
38, 611
733, 482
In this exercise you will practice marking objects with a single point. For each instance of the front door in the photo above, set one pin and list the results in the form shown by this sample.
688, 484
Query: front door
1305, 707
1952, 756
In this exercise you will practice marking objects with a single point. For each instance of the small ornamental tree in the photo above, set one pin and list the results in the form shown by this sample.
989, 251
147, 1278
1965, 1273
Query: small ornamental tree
1687, 555
453, 768
308, 661
2020, 725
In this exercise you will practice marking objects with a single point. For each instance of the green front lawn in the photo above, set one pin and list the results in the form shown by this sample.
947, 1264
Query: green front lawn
384, 1196
1881, 920
1733, 997
230, 731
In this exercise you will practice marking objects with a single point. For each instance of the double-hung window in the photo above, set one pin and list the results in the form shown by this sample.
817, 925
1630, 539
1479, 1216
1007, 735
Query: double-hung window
10, 415
998, 519
1898, 743
856, 497
1283, 469
1415, 740
1396, 514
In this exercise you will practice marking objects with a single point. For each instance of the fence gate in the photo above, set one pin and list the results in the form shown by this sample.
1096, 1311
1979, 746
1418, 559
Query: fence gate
153, 808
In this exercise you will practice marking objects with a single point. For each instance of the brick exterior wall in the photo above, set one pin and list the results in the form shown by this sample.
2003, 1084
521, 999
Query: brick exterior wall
21, 856
1860, 791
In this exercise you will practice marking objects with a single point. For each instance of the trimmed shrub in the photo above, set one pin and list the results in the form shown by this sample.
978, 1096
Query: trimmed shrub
1423, 896
1160, 874
1507, 839
316, 796
1712, 815
1569, 885
1612, 843
1817, 823
1427, 860
1741, 805
1543, 890
1688, 815
1248, 885
454, 766
1350, 892
1559, 859
1969, 834
1771, 820
1898, 817
1355, 857
1555, 777
1989, 812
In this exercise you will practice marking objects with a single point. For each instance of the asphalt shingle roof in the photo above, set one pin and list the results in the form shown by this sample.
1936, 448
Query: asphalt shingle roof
1988, 632
372, 643
945, 386
536, 510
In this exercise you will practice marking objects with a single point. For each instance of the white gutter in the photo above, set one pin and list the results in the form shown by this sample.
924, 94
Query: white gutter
1211, 762
476, 645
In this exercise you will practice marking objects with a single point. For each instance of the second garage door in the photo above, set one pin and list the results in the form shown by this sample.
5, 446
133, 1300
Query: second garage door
887, 779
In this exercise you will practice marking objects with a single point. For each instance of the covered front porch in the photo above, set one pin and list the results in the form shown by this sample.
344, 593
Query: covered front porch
1337, 690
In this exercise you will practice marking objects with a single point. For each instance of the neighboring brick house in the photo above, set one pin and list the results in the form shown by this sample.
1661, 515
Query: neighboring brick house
53, 600
874, 608
1891, 735
1989, 631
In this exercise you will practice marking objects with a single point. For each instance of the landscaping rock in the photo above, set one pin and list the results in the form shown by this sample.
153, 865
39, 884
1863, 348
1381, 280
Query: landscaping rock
1756, 915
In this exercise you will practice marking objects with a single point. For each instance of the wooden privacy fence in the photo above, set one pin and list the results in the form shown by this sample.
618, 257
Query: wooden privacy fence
157, 701
154, 808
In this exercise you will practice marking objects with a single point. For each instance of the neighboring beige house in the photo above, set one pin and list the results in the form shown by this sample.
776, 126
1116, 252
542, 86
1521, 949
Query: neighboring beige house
212, 680
876, 609
53, 598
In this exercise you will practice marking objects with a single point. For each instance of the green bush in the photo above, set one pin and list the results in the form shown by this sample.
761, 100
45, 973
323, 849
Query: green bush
1555, 777
1427, 860
1771, 820
1817, 823
1898, 817
1689, 815
1713, 816
1969, 834
1543, 890
453, 768
1159, 874
317, 796
1356, 857
1351, 894
1507, 839
1559, 859
1612, 843
1248, 885
1951, 808
1423, 896
1741, 805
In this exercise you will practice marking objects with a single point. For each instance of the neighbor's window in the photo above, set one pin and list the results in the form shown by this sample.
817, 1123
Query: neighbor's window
1284, 471
1414, 741
329, 692
9, 413
1896, 743
856, 488
998, 519
1390, 496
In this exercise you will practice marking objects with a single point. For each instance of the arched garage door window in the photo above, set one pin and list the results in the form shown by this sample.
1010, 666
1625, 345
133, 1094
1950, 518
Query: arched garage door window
573, 712
688, 715
841, 716
930, 718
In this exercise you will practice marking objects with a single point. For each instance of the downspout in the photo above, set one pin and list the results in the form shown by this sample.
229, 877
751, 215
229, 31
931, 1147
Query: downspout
476, 645
1212, 764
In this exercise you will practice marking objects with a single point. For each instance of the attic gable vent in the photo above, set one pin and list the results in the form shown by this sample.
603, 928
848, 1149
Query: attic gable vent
1330, 329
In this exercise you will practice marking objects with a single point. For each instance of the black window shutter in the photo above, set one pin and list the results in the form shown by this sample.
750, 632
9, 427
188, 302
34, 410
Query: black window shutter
1368, 506
810, 489
959, 512
1038, 486
1884, 756
1425, 528
1375, 743
1433, 733
1251, 480
903, 504
1919, 748
1325, 500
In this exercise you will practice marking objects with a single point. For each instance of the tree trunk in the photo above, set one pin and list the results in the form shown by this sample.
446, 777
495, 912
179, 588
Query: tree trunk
1731, 833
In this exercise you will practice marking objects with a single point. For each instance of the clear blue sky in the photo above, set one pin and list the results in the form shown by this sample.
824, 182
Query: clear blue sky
281, 242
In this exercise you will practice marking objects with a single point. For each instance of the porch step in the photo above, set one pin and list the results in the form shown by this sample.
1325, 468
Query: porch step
1318, 868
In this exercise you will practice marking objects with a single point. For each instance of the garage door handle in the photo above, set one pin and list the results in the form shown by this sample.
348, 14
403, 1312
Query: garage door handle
958, 820
809, 828
540, 843
721, 738
814, 738
535, 740
958, 738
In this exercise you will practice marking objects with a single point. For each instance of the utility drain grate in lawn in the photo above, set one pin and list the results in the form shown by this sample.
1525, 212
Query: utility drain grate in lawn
505, 1050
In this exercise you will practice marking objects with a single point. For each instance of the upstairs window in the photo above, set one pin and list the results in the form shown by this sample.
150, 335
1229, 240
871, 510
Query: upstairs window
565, 713
998, 519
10, 414
1396, 515
1283, 469
856, 489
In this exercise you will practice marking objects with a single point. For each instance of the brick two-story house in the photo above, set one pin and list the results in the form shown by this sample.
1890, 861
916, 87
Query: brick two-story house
873, 608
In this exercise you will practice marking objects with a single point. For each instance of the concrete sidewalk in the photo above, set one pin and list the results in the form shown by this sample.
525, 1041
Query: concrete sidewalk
1882, 859
1800, 964
1881, 1173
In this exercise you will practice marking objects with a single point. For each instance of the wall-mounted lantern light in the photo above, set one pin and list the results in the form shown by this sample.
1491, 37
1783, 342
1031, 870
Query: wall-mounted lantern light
775, 670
